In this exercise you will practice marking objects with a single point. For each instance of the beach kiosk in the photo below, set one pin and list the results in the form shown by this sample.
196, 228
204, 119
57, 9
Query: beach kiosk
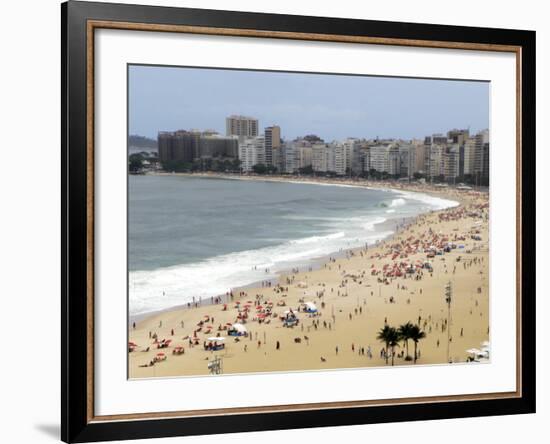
237, 329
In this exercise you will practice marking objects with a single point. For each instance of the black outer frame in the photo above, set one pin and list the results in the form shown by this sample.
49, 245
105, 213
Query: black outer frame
74, 424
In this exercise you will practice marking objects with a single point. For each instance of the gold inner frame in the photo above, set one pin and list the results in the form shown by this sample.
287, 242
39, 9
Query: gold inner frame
92, 25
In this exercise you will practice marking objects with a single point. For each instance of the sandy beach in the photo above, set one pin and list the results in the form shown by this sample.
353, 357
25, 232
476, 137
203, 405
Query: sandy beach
355, 295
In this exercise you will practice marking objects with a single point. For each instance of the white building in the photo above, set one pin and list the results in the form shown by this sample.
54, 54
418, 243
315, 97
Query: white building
304, 156
469, 156
319, 161
341, 158
380, 158
407, 160
251, 152
288, 160
437, 160
451, 162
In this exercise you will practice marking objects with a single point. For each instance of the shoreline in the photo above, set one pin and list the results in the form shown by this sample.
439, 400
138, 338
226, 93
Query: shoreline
312, 262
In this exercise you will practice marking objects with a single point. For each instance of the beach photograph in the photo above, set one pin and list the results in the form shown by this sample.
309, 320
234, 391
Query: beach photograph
290, 221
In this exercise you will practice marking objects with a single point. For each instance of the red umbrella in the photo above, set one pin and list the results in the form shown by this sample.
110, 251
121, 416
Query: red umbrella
160, 354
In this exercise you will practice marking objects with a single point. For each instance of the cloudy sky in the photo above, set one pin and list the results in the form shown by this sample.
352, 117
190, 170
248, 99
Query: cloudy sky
331, 106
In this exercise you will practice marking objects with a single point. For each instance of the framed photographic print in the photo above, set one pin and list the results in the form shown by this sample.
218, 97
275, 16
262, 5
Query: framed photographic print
275, 221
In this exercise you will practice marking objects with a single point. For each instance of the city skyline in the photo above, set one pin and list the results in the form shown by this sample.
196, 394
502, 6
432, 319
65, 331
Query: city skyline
328, 105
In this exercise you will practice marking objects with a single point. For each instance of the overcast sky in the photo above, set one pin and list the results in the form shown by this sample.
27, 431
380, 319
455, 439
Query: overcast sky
331, 106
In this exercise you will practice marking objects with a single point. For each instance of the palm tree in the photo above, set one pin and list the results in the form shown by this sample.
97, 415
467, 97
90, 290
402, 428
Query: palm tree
390, 337
416, 334
384, 335
405, 334
394, 341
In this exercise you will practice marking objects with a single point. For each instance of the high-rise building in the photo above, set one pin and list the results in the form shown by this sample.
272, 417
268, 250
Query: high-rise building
272, 142
251, 152
187, 146
458, 136
452, 163
341, 155
214, 145
319, 157
241, 126
304, 156
178, 146
289, 157
436, 158
353, 147
469, 156
384, 158
481, 160
407, 160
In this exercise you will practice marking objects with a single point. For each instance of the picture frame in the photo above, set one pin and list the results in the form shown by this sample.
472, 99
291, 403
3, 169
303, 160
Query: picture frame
80, 21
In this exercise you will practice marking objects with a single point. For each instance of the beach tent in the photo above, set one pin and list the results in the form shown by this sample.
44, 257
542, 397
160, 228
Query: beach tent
310, 307
237, 329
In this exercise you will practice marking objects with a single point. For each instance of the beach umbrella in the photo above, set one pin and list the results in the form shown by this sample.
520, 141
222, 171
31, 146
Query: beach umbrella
160, 354
216, 339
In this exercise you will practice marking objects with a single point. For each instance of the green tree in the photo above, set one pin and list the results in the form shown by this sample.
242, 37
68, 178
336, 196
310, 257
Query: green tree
260, 168
416, 334
306, 170
390, 337
405, 334
135, 162
236, 165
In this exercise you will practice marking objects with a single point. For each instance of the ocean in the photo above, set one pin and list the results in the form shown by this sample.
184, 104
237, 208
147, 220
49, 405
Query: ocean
199, 237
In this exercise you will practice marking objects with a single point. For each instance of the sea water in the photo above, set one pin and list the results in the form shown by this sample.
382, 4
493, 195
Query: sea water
195, 237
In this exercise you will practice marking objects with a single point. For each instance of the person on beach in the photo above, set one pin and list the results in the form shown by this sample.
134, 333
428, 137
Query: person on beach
336, 350
278, 346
